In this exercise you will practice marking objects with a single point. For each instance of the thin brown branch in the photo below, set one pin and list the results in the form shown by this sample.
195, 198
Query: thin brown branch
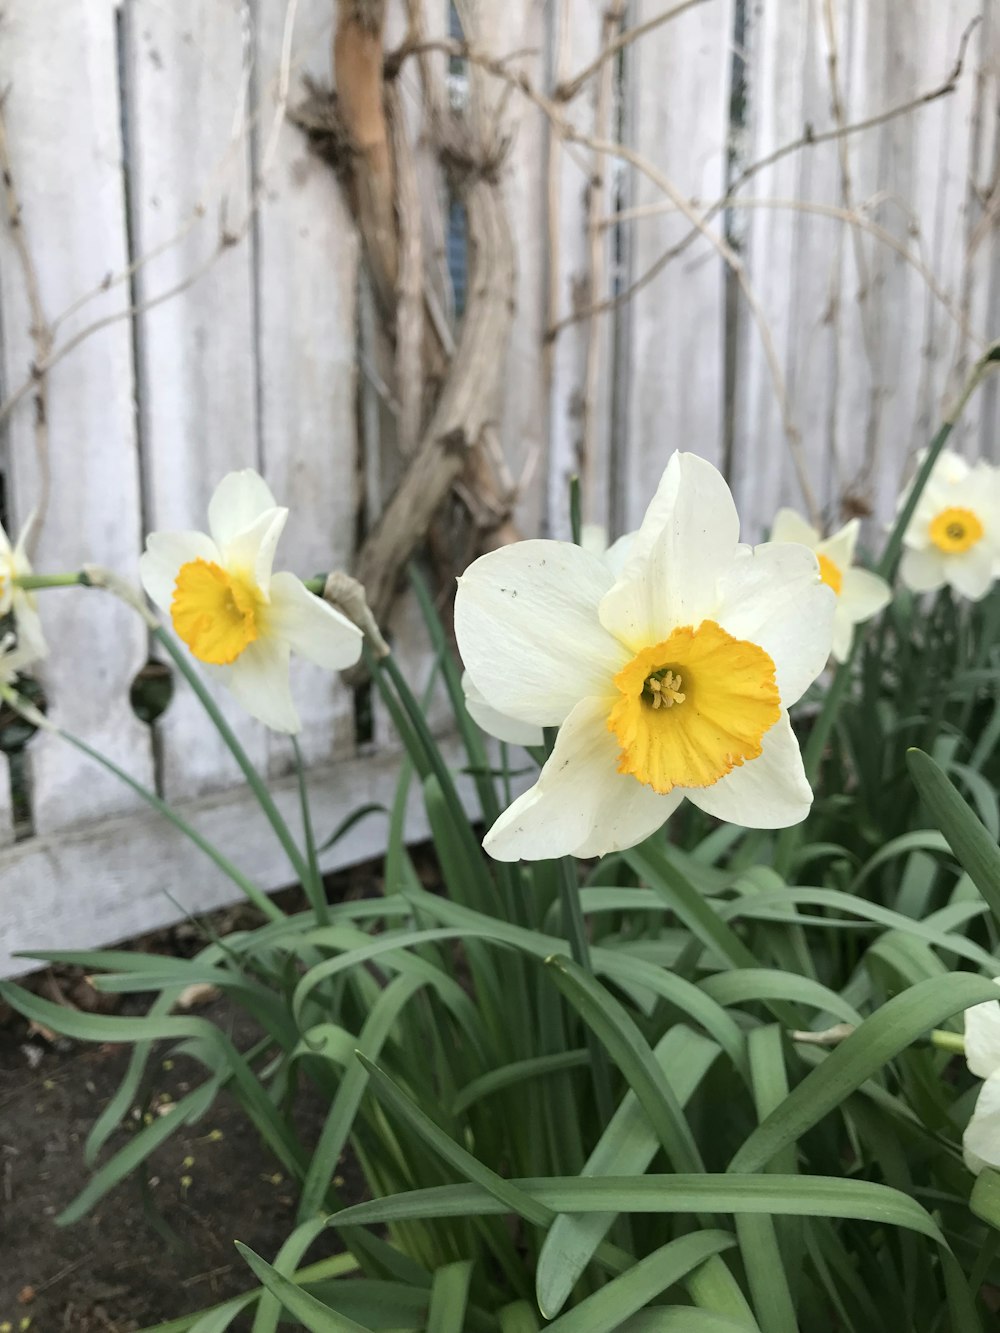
568, 133
807, 139
40, 329
565, 92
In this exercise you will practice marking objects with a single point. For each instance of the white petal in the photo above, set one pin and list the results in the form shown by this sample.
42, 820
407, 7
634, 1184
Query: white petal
5, 547
982, 1038
618, 554
258, 680
772, 596
788, 526
30, 638
251, 552
862, 595
971, 573
239, 500
311, 627
594, 538
22, 565
687, 539
164, 554
527, 629
922, 570
496, 724
843, 635
771, 791
981, 1141
841, 545
581, 805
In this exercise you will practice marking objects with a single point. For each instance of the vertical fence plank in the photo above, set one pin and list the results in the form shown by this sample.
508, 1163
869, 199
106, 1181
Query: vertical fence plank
306, 276
910, 175
520, 26
6, 804
187, 71
576, 445
62, 115
793, 262
979, 429
680, 77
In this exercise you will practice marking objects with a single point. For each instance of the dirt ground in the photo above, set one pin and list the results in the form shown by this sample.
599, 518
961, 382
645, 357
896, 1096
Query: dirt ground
154, 1248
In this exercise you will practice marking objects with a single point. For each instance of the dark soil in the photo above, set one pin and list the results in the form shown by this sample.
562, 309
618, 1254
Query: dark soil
161, 1244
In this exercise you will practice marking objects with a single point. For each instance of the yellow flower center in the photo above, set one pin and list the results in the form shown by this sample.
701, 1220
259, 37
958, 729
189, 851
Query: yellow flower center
692, 737
955, 530
214, 611
831, 574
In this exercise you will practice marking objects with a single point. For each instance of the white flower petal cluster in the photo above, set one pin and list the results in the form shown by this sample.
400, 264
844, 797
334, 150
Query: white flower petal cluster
594, 540
981, 1142
953, 537
860, 594
19, 602
670, 680
234, 614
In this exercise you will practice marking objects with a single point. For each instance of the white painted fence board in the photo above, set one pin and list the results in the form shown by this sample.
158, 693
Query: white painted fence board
577, 37
679, 125
792, 264
62, 115
117, 879
909, 177
980, 426
6, 805
187, 73
306, 277
520, 26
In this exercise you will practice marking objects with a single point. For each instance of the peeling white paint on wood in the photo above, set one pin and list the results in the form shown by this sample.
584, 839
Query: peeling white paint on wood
62, 116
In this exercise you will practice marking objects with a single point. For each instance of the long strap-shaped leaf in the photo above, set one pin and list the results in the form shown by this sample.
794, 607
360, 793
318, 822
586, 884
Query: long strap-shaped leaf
878, 1040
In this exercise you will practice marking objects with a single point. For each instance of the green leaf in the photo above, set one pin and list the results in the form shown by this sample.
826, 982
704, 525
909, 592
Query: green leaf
878, 1040
311, 1313
626, 1148
985, 1200
449, 1298
976, 851
630, 1051
727, 1193
650, 1277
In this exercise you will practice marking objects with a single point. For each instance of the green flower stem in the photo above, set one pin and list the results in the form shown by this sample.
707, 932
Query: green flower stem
32, 582
264, 798
314, 887
948, 1041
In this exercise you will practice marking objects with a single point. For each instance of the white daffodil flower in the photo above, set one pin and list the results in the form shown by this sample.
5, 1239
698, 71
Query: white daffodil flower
233, 613
672, 680
981, 1141
594, 540
954, 534
14, 564
860, 594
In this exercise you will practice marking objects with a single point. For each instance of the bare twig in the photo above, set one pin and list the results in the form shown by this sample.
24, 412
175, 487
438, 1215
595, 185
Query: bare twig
568, 133
40, 330
565, 92
228, 236
808, 139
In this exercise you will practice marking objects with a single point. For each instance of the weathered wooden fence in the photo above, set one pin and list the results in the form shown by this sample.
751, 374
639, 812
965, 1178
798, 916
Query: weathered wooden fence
766, 232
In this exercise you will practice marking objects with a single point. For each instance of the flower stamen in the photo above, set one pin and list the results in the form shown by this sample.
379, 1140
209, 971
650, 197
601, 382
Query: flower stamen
955, 530
664, 689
